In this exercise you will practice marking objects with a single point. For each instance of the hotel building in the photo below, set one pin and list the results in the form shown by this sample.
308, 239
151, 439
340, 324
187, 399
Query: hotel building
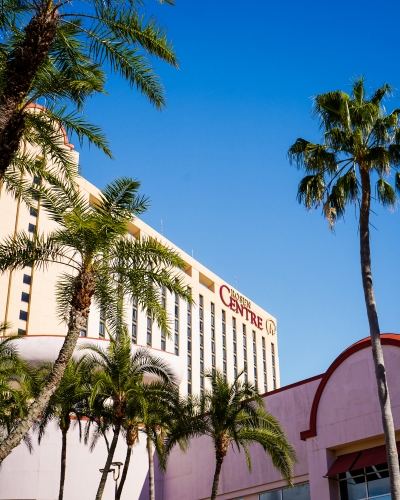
223, 329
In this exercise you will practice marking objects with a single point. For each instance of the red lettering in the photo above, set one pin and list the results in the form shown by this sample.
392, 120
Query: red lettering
253, 318
221, 294
239, 308
259, 322
247, 313
232, 304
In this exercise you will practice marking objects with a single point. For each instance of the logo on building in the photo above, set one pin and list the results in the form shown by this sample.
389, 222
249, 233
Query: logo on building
270, 326
239, 304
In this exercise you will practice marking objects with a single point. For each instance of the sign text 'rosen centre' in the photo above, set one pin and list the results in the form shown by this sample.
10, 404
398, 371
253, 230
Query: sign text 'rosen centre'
239, 304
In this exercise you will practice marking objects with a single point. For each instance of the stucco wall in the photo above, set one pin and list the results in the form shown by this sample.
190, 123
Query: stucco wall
36, 477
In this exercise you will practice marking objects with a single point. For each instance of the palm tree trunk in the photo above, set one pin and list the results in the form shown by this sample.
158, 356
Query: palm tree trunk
124, 471
217, 473
21, 69
63, 463
110, 457
151, 468
377, 352
80, 304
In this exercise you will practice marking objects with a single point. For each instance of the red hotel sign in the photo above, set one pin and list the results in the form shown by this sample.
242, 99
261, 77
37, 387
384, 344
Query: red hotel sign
239, 304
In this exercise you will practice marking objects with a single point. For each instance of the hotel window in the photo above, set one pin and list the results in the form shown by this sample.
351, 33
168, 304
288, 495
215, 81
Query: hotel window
31, 228
25, 297
33, 212
244, 352
149, 329
298, 492
164, 305
365, 483
164, 297
255, 359
134, 321
201, 330
83, 332
213, 336
189, 344
23, 315
235, 372
21, 331
27, 279
223, 327
264, 355
102, 324
273, 365
176, 337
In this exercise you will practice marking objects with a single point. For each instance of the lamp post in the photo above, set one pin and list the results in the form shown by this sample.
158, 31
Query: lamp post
116, 474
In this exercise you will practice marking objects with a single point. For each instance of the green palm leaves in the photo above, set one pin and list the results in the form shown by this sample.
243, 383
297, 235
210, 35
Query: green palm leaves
234, 414
358, 134
59, 53
17, 385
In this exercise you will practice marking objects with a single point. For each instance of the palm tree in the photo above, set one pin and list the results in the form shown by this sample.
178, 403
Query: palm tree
116, 373
131, 432
130, 429
82, 40
162, 409
234, 414
156, 410
17, 383
65, 402
91, 243
360, 141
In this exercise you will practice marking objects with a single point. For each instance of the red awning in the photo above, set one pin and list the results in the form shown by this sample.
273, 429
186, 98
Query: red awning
343, 463
359, 460
372, 456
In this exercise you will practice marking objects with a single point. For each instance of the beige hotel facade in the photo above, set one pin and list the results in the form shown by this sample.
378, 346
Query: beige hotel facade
224, 329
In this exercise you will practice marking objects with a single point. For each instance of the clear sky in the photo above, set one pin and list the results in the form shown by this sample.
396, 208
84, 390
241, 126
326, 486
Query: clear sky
214, 162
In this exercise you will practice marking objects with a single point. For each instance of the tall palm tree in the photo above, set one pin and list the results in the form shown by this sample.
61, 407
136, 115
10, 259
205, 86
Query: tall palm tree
84, 37
234, 414
65, 402
116, 373
361, 141
91, 243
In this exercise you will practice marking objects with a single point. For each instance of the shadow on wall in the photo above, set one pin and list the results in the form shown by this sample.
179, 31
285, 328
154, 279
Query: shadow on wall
158, 483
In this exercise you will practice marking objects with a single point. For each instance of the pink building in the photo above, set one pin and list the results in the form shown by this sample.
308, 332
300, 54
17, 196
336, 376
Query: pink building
334, 422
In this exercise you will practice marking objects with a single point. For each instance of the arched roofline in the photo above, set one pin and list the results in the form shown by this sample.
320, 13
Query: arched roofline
386, 339
34, 105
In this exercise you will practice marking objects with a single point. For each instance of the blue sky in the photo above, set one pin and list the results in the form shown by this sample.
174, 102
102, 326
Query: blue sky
214, 162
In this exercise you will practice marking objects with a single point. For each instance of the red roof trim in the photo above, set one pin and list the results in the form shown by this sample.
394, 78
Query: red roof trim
39, 106
386, 339
290, 386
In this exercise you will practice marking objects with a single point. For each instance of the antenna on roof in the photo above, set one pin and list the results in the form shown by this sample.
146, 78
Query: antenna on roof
162, 228
235, 283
